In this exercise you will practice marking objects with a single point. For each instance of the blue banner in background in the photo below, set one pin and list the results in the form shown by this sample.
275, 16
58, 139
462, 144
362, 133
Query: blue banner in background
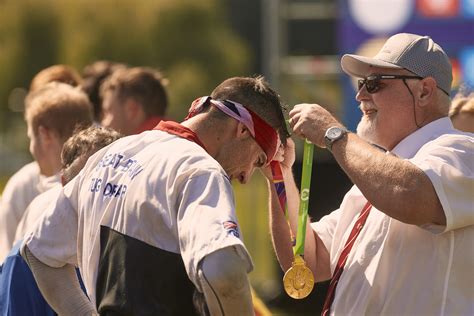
364, 25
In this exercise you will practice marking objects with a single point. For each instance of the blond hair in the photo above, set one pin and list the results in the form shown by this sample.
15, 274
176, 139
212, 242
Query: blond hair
58, 107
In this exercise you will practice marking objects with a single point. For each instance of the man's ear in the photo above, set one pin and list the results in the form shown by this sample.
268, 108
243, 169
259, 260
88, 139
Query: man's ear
45, 134
132, 108
242, 131
428, 91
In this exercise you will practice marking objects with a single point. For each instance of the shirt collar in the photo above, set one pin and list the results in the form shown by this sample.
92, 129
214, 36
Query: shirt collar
410, 145
179, 130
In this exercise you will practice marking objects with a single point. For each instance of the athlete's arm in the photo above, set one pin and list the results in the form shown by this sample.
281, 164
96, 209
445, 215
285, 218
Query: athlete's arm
223, 278
59, 287
315, 253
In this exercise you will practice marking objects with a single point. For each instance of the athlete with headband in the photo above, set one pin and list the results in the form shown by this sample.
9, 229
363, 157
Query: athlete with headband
401, 241
151, 222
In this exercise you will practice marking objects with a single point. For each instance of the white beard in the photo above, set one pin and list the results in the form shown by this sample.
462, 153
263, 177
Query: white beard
366, 129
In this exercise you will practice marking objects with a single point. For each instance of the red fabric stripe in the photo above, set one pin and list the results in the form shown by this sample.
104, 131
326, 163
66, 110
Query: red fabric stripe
179, 130
358, 225
265, 135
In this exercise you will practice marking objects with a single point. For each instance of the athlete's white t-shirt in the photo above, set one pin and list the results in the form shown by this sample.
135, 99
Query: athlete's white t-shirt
155, 187
19, 191
35, 210
400, 269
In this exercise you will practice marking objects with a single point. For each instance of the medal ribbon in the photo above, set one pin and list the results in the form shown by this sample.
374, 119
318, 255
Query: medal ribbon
298, 245
298, 249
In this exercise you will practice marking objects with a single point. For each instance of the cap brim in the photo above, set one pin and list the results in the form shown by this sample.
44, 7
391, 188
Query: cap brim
360, 66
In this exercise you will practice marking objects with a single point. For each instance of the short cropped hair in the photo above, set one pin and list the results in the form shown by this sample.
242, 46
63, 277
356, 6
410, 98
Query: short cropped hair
59, 107
144, 85
83, 144
57, 73
257, 95
93, 76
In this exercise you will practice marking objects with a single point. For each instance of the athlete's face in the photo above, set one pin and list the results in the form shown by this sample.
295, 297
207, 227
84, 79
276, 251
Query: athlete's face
240, 157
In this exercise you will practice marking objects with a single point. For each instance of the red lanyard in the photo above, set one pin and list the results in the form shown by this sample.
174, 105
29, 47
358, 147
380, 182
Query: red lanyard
358, 225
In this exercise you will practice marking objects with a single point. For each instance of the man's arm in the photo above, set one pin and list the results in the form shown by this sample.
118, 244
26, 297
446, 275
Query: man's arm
393, 185
59, 286
315, 253
223, 278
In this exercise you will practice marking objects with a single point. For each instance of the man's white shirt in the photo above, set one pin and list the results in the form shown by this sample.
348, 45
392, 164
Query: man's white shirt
400, 269
155, 187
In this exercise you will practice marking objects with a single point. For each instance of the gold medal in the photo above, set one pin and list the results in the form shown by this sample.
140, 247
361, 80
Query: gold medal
298, 280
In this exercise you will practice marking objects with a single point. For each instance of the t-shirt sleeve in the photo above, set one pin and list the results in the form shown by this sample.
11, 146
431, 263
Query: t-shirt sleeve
325, 228
54, 238
449, 163
207, 221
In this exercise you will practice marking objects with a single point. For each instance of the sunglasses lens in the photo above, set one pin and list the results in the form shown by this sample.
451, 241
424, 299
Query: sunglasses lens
372, 85
360, 84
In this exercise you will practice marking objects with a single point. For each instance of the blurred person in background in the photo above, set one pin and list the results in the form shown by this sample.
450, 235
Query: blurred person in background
75, 152
93, 76
56, 73
52, 112
133, 100
19, 294
151, 222
401, 241
462, 112
28, 182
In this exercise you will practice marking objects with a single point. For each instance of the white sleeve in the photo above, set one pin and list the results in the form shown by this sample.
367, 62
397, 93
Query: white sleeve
449, 163
54, 238
325, 228
207, 221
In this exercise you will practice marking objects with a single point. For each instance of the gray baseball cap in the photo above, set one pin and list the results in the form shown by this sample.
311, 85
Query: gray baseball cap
415, 53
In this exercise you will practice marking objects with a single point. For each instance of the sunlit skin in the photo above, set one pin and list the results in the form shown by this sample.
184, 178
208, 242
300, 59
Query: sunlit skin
240, 157
231, 144
45, 147
383, 111
113, 113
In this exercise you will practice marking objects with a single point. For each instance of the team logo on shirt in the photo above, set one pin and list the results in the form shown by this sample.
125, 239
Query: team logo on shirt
232, 228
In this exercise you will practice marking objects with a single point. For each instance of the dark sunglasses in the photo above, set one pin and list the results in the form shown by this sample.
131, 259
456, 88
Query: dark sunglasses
373, 84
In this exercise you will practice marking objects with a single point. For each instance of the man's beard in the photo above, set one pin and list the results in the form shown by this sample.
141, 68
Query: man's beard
366, 129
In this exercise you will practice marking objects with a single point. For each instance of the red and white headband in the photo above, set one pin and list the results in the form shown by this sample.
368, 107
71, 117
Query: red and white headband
265, 135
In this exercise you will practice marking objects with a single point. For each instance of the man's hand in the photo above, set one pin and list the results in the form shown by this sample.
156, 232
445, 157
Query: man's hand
311, 121
285, 156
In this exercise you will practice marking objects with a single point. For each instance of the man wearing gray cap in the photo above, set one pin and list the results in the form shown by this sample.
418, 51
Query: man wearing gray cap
401, 241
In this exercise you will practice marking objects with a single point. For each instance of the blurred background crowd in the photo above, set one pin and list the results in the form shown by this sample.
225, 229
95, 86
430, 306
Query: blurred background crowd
195, 45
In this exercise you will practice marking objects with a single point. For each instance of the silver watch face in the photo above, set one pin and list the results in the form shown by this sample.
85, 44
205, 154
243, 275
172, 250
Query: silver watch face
334, 133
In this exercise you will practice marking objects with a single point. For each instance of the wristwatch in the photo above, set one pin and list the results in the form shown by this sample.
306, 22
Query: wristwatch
333, 134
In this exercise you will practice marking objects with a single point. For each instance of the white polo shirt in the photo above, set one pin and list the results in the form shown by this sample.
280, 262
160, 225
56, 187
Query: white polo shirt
156, 187
400, 269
